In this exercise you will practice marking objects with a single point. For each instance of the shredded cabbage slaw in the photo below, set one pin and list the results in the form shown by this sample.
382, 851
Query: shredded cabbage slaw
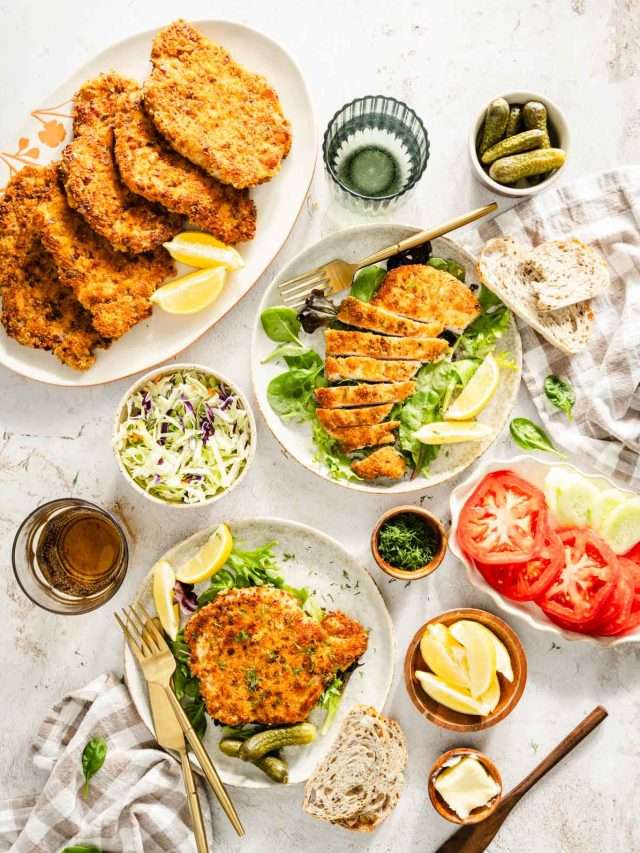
184, 437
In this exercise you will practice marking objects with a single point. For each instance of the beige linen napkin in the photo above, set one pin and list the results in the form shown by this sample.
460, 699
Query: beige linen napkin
603, 210
136, 802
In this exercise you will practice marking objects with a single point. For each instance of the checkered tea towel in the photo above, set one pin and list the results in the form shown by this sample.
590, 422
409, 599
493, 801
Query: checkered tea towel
602, 210
136, 802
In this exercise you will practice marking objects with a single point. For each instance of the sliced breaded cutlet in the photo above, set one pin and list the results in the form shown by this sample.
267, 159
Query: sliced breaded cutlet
369, 369
364, 315
91, 178
425, 293
344, 396
385, 462
213, 111
379, 346
336, 418
153, 170
38, 310
114, 287
353, 438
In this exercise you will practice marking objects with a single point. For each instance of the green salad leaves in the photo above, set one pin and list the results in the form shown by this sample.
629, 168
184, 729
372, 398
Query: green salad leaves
560, 394
366, 283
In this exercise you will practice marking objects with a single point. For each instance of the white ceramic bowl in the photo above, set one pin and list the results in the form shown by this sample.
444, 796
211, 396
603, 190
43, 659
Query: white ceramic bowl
535, 471
559, 126
162, 371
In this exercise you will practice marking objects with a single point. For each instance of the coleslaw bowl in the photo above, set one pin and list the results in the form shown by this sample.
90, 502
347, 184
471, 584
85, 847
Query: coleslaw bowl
533, 470
234, 392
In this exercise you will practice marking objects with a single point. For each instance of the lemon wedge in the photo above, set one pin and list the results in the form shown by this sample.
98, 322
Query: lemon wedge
481, 654
453, 432
475, 396
444, 655
168, 611
202, 250
491, 696
503, 659
190, 293
451, 697
209, 559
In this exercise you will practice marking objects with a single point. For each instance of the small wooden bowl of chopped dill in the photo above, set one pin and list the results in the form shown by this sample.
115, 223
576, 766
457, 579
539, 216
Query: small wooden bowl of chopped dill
408, 542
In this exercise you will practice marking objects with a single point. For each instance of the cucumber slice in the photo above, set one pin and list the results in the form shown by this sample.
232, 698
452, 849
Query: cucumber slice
578, 501
621, 529
554, 481
610, 499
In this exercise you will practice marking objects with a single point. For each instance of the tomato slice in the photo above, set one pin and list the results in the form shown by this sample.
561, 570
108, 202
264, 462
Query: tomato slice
527, 580
632, 570
616, 614
503, 521
579, 594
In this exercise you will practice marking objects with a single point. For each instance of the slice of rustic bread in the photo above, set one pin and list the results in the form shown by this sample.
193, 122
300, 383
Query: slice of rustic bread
565, 273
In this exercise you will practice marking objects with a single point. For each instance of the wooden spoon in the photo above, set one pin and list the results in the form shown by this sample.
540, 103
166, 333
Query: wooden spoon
476, 838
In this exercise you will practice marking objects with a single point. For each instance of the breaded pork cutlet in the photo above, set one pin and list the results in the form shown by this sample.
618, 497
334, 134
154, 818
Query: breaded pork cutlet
364, 315
353, 438
150, 168
425, 293
114, 287
260, 658
336, 418
369, 369
91, 179
385, 462
339, 342
213, 111
38, 311
344, 396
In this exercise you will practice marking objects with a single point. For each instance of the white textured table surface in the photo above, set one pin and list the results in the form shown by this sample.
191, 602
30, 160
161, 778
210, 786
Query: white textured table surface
445, 60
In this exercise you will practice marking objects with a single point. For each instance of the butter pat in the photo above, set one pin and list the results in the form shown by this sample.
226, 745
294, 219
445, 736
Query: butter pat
465, 785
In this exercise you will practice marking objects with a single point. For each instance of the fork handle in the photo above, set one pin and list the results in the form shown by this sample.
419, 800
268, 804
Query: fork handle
423, 236
197, 821
205, 762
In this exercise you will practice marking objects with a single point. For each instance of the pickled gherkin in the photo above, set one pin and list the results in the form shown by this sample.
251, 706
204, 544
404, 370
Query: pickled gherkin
534, 115
508, 170
495, 124
524, 141
514, 121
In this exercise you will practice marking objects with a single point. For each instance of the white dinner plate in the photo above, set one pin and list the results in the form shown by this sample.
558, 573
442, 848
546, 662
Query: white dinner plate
162, 336
318, 562
351, 245
535, 471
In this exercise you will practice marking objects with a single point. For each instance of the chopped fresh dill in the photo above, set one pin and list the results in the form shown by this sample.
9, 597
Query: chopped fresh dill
407, 542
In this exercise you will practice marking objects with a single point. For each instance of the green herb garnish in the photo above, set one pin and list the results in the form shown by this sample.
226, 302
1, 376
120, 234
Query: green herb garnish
93, 756
560, 394
251, 679
407, 542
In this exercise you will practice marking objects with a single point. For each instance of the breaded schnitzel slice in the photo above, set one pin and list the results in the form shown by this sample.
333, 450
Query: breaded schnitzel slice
114, 287
364, 315
38, 311
336, 418
213, 111
260, 658
379, 346
343, 396
385, 462
353, 438
150, 168
96, 101
369, 369
424, 293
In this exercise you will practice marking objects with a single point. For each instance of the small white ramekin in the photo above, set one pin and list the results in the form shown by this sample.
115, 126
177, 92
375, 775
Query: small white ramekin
162, 371
559, 125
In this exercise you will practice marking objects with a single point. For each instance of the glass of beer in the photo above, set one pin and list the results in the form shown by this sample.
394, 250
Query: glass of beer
70, 556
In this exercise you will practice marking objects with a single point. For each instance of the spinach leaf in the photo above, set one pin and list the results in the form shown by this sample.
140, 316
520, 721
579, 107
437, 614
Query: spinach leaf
561, 394
479, 338
290, 394
186, 685
287, 349
448, 265
81, 848
488, 300
328, 453
281, 324
366, 282
307, 359
530, 436
93, 756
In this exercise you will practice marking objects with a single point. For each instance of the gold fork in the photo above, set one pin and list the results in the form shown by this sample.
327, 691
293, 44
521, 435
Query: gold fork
337, 275
153, 654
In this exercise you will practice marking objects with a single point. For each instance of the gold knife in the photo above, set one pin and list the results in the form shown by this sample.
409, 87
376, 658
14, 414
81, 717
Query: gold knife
170, 736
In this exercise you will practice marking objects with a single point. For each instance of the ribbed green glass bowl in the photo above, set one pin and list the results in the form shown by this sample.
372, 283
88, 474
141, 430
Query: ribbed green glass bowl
396, 140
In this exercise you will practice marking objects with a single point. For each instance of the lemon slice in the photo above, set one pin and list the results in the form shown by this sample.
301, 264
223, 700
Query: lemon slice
481, 654
202, 250
453, 432
209, 559
168, 611
439, 652
503, 659
475, 396
191, 293
491, 696
450, 697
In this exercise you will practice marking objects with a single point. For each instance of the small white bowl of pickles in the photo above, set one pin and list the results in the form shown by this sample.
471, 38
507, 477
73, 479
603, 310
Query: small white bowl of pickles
519, 144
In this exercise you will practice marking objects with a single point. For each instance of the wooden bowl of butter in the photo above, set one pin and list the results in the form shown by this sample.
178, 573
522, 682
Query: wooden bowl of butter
465, 786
